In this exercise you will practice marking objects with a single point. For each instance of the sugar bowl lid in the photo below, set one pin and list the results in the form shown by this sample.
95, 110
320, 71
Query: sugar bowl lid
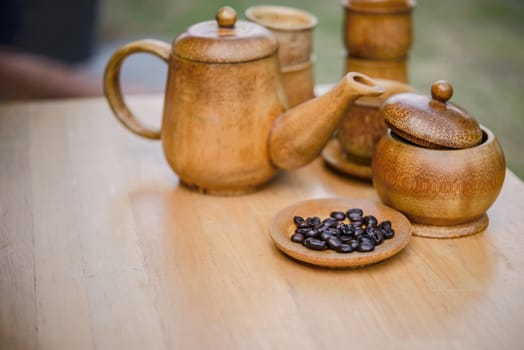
225, 40
431, 122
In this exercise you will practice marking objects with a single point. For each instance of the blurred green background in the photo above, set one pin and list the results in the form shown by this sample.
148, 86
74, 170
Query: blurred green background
477, 45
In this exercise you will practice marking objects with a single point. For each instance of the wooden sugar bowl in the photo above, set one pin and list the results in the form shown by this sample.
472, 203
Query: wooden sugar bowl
437, 165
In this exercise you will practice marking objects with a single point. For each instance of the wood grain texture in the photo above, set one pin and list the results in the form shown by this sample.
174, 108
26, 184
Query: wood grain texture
101, 248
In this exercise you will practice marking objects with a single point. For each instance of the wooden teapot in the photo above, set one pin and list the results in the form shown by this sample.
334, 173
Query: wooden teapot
225, 128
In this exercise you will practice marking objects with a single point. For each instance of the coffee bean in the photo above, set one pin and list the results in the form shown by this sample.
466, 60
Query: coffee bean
366, 238
315, 244
345, 238
365, 246
354, 214
388, 233
354, 211
313, 221
356, 224
369, 221
338, 215
375, 233
347, 229
386, 225
325, 235
302, 230
358, 231
354, 244
298, 238
344, 248
333, 242
304, 224
311, 233
297, 220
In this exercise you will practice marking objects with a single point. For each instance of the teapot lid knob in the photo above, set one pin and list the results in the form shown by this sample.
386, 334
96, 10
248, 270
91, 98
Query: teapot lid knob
226, 17
441, 91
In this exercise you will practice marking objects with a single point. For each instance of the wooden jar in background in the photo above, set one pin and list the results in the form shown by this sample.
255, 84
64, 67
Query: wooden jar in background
378, 37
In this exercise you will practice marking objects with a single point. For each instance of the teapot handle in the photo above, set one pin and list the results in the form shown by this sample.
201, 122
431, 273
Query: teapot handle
112, 89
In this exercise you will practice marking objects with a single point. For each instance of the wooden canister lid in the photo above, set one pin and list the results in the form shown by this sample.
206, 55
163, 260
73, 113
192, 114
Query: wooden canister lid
379, 6
432, 122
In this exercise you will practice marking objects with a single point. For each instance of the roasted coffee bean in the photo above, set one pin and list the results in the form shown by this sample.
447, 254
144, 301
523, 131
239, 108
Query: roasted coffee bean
313, 221
302, 230
311, 233
347, 229
330, 222
370, 221
315, 244
386, 225
304, 224
332, 231
344, 248
325, 235
356, 224
365, 237
333, 242
335, 224
354, 214
321, 228
365, 246
345, 238
297, 220
388, 233
298, 238
338, 215
376, 234
357, 211
358, 231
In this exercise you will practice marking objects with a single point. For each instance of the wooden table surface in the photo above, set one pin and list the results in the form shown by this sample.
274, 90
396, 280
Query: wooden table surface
101, 248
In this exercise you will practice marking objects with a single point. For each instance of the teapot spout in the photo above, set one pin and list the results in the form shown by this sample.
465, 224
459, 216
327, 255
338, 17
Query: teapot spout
298, 136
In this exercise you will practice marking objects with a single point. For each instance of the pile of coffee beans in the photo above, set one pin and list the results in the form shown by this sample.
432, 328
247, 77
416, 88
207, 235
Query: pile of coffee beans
358, 233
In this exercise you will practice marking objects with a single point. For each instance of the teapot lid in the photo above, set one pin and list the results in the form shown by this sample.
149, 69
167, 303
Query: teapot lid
225, 40
432, 122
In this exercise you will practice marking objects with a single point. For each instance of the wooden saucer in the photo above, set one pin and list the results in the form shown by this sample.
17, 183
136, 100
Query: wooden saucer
455, 231
283, 227
336, 158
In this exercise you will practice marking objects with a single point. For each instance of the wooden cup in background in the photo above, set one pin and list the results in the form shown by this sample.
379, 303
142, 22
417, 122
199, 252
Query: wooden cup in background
293, 29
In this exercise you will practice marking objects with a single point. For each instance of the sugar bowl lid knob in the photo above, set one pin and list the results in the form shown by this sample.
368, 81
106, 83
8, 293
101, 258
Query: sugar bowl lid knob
441, 91
226, 17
